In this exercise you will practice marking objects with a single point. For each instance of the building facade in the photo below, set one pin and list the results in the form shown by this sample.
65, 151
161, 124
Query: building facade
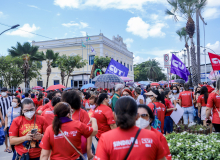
102, 45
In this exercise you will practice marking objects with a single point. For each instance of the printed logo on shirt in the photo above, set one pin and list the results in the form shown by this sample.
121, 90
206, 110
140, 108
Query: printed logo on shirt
122, 144
98, 111
73, 133
217, 97
146, 140
158, 108
49, 112
60, 135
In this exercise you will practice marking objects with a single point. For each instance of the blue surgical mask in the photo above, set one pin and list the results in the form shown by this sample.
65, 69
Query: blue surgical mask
174, 91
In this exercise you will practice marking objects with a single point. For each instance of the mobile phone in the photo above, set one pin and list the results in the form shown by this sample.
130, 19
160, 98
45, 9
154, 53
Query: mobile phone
33, 131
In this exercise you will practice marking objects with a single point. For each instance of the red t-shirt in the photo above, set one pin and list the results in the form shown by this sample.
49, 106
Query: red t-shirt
48, 114
48, 105
84, 102
61, 149
163, 141
81, 115
169, 105
104, 117
21, 126
161, 110
201, 100
214, 103
114, 145
40, 103
35, 101
186, 100
90, 113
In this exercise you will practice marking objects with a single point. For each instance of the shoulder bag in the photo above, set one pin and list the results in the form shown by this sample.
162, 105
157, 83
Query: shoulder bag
72, 145
156, 123
129, 151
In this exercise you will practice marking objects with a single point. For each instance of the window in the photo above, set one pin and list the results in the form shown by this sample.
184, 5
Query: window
80, 84
121, 62
128, 66
56, 82
124, 64
91, 59
75, 84
117, 60
40, 83
131, 67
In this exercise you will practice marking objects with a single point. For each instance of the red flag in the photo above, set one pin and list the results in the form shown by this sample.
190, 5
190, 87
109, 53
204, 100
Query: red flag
215, 60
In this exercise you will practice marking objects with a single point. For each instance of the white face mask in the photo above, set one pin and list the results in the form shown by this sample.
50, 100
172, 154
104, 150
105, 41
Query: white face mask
87, 106
170, 96
3, 94
110, 101
174, 91
92, 106
13, 104
29, 114
142, 123
148, 100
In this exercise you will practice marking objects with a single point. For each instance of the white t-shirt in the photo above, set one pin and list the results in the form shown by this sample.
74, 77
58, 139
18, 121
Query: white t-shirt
138, 99
174, 97
16, 113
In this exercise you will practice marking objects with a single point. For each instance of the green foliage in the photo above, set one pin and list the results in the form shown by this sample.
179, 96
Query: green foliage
102, 62
148, 70
51, 57
187, 146
12, 71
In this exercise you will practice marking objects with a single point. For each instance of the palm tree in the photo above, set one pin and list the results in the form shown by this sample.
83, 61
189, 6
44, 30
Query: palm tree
152, 69
183, 35
186, 9
28, 53
51, 58
61, 63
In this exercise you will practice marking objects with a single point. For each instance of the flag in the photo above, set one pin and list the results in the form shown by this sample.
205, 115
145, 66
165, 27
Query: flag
215, 61
179, 68
92, 50
87, 38
83, 45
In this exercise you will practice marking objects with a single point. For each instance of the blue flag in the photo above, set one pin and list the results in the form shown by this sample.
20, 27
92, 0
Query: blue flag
179, 68
117, 68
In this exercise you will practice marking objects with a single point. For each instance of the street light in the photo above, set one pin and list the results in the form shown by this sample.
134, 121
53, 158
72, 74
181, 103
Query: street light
208, 48
13, 27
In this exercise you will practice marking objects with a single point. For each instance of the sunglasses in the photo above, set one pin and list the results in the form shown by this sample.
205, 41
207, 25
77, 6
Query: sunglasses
145, 116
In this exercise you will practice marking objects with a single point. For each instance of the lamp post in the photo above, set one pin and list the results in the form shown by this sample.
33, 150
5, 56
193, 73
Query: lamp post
13, 27
208, 48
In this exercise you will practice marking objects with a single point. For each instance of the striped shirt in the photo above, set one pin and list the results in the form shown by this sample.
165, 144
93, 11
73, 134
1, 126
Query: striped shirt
5, 103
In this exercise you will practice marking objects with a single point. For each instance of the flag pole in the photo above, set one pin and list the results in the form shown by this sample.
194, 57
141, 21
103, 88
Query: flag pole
82, 51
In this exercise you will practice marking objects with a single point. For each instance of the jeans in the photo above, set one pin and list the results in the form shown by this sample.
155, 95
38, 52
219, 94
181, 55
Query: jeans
188, 113
197, 117
168, 125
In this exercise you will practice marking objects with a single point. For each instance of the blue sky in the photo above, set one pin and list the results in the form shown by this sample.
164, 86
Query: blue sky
148, 32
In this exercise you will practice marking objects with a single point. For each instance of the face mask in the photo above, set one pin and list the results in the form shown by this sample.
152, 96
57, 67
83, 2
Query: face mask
29, 114
148, 100
92, 106
170, 96
142, 123
83, 97
3, 94
110, 101
13, 104
87, 106
180, 90
174, 91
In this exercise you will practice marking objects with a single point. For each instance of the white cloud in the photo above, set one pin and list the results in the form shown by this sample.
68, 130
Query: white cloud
154, 16
1, 14
140, 28
32, 6
168, 17
213, 3
128, 41
211, 13
215, 47
72, 24
21, 31
58, 14
105, 4
83, 33
138, 59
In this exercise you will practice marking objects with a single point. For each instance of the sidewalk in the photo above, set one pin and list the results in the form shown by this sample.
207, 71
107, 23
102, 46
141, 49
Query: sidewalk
5, 155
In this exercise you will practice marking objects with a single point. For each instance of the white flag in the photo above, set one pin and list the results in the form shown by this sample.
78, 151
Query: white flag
92, 50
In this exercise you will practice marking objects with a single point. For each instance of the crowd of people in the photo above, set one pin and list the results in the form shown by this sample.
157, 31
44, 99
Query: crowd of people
120, 123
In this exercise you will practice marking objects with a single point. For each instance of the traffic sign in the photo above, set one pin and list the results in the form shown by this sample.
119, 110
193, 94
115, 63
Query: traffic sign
166, 61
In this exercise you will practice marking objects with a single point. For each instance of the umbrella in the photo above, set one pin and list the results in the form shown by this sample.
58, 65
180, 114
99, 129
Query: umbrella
53, 87
179, 81
163, 82
109, 78
86, 86
144, 82
104, 85
37, 88
126, 79
95, 79
68, 88
154, 84
130, 84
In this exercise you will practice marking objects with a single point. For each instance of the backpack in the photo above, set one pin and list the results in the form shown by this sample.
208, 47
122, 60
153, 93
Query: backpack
156, 123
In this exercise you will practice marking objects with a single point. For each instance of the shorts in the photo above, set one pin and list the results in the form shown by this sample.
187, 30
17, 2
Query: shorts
203, 115
6, 131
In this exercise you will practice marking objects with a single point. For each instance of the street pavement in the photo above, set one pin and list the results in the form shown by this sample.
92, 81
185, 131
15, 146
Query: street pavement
5, 155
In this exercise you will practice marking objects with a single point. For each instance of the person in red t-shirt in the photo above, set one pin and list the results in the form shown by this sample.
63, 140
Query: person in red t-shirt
93, 105
48, 113
40, 99
145, 118
34, 99
168, 123
115, 144
202, 101
54, 138
21, 134
185, 101
73, 98
156, 98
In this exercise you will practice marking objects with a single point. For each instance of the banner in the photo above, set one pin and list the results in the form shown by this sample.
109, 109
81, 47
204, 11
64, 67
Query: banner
117, 68
215, 61
213, 75
95, 71
179, 68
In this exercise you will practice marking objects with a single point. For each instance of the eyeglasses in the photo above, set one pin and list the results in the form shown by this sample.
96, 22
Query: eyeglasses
126, 95
28, 110
144, 116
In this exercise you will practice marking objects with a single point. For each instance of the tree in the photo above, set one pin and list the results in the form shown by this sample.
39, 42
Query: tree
11, 70
186, 9
148, 70
102, 62
51, 58
70, 63
183, 35
61, 65
28, 53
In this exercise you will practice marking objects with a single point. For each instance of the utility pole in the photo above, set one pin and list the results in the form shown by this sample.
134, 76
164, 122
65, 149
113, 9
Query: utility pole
198, 43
